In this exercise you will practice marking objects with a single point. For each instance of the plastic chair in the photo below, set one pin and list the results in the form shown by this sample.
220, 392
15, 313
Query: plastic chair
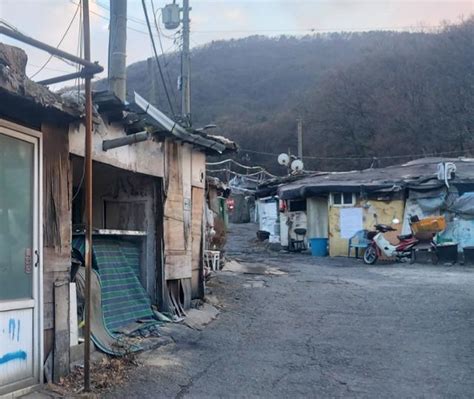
212, 259
358, 240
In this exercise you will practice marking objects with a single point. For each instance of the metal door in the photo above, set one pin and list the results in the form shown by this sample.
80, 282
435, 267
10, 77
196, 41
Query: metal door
20, 358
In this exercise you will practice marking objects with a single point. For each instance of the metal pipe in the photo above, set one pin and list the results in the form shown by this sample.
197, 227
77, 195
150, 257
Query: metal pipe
63, 78
88, 178
118, 48
93, 67
123, 141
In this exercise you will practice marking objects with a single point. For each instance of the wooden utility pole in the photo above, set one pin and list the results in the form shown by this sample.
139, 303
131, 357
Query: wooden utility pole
186, 67
300, 138
118, 48
88, 181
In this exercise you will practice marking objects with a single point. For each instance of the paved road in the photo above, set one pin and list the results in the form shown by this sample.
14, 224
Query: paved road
329, 328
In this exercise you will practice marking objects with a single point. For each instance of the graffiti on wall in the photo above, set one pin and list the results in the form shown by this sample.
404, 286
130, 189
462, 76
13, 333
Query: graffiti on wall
16, 345
14, 328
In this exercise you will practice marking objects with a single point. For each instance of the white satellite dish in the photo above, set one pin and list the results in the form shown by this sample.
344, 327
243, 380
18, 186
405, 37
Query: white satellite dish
297, 165
284, 159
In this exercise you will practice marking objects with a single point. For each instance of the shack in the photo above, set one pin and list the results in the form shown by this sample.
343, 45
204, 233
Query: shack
339, 204
148, 210
280, 218
35, 226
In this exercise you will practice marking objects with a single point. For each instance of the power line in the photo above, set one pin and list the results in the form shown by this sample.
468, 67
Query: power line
49, 68
366, 158
308, 30
60, 42
325, 30
156, 58
259, 169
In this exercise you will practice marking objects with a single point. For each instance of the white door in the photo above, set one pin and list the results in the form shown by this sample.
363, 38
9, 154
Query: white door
20, 358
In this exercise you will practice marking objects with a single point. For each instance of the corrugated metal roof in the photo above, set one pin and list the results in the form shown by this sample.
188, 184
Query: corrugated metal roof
176, 130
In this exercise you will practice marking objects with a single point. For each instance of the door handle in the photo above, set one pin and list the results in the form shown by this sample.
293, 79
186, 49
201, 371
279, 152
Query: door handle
37, 258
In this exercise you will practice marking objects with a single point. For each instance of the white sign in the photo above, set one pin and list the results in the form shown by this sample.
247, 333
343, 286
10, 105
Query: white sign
350, 221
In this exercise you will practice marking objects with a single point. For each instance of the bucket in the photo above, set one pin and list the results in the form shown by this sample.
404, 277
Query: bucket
319, 246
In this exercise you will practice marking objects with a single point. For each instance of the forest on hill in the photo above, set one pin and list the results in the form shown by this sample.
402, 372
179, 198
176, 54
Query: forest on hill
373, 98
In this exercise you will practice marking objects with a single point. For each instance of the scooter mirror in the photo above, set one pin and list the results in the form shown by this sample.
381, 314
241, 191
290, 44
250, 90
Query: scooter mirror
395, 221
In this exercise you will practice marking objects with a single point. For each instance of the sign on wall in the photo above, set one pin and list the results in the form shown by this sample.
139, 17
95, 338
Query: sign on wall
351, 221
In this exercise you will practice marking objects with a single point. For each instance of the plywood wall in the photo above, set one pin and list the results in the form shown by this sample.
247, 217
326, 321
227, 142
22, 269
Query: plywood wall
177, 227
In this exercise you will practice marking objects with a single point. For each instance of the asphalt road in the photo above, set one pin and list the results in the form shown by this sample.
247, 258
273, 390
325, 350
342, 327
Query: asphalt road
329, 328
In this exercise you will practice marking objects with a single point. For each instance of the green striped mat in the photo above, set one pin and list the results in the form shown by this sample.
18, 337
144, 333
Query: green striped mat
124, 300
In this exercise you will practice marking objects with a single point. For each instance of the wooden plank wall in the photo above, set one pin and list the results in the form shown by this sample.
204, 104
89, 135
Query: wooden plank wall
176, 228
56, 220
198, 180
183, 214
197, 229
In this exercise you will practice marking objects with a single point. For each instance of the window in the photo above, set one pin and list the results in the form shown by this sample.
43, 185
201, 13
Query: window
295, 206
343, 199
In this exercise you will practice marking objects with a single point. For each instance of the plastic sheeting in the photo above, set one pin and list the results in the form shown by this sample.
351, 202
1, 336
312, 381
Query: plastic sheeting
464, 205
459, 213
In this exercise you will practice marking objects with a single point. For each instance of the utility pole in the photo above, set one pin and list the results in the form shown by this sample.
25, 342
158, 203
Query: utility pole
118, 48
186, 68
300, 138
151, 74
88, 181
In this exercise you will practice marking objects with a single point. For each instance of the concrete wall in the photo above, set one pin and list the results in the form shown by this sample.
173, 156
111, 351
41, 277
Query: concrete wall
145, 157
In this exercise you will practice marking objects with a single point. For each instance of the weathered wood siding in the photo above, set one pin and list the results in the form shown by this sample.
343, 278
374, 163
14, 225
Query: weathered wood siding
177, 222
198, 180
56, 220
197, 229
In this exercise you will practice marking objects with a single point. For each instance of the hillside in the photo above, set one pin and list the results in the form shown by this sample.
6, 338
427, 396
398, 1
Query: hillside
364, 95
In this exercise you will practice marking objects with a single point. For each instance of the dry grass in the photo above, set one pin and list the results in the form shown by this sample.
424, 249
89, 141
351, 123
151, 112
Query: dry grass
108, 373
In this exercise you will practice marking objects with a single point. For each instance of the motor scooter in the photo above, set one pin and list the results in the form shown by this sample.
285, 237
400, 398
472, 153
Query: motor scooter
404, 249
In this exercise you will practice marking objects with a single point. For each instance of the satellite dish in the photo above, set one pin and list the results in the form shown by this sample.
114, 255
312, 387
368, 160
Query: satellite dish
284, 159
297, 165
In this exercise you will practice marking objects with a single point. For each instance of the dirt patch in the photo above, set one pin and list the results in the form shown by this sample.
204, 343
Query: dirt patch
238, 267
105, 375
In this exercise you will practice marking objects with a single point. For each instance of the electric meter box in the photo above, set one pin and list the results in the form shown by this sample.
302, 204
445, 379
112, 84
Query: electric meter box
170, 16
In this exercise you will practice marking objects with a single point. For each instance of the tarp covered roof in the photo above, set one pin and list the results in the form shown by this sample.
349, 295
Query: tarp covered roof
418, 174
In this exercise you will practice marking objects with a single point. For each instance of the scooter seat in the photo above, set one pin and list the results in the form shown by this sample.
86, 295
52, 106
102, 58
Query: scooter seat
405, 236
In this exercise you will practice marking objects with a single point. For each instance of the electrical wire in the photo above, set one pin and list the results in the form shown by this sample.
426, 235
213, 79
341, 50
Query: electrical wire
60, 42
327, 30
307, 30
157, 59
49, 68
260, 169
104, 17
367, 158
163, 56
229, 160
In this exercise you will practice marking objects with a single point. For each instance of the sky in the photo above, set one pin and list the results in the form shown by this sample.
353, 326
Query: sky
47, 20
